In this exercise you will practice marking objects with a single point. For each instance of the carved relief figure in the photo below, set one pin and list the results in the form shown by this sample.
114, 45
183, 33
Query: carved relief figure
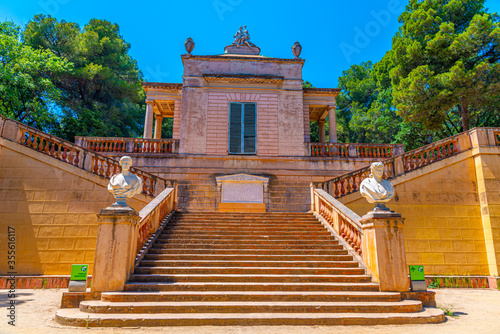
375, 189
125, 185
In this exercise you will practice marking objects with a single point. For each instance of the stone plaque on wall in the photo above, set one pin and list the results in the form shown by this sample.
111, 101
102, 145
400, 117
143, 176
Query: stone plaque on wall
242, 188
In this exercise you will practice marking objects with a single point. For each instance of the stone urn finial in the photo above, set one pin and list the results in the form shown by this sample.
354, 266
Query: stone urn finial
124, 185
189, 44
297, 50
375, 189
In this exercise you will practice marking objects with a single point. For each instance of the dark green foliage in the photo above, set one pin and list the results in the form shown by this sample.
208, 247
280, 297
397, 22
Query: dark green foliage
27, 91
441, 77
101, 95
365, 113
446, 63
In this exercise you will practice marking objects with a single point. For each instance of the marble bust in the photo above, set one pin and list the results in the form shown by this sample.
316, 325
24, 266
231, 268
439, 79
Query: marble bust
375, 189
125, 185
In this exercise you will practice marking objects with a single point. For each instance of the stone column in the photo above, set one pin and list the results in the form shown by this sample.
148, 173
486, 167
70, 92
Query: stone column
384, 250
322, 133
116, 248
158, 122
332, 122
148, 122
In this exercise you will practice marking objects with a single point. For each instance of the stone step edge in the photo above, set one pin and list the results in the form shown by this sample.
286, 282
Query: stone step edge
263, 293
248, 262
273, 284
74, 317
359, 276
251, 303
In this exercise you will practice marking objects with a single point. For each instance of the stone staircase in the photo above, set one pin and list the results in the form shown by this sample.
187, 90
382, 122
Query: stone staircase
248, 269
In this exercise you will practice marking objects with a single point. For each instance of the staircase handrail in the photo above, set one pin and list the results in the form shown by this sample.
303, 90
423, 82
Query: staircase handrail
353, 150
153, 218
76, 155
128, 145
349, 183
337, 216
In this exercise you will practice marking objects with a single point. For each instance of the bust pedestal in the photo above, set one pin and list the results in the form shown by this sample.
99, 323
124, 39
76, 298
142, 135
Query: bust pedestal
116, 248
384, 250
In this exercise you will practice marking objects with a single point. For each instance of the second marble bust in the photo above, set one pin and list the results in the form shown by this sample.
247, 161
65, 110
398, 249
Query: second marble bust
125, 185
375, 189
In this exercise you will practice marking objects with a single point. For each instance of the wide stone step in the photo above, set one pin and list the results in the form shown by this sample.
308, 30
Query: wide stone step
74, 317
235, 264
361, 284
239, 257
332, 250
256, 215
225, 296
249, 271
317, 230
147, 276
255, 237
241, 242
98, 306
298, 248
245, 224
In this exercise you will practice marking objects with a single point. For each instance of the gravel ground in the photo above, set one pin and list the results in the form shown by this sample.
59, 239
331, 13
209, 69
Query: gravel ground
474, 311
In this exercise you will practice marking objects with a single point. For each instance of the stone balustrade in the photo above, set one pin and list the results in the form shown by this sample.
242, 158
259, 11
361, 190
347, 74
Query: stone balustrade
328, 150
124, 237
152, 216
50, 145
76, 155
128, 145
376, 240
428, 154
341, 150
340, 218
412, 160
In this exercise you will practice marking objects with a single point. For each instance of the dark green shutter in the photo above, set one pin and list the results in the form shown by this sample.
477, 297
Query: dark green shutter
235, 111
249, 128
242, 128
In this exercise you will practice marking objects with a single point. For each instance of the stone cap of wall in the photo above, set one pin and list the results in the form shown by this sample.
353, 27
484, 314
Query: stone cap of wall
244, 58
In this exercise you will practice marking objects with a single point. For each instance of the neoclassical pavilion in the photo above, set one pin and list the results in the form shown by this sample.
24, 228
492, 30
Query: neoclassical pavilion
274, 107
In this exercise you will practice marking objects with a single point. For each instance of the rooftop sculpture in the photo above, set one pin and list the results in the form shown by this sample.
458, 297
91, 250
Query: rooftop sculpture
242, 44
242, 37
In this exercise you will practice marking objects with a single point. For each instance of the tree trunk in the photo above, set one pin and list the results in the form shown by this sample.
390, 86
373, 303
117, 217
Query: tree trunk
464, 114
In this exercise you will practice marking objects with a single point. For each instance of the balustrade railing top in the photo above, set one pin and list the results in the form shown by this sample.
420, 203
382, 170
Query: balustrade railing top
76, 155
128, 145
353, 150
345, 222
153, 214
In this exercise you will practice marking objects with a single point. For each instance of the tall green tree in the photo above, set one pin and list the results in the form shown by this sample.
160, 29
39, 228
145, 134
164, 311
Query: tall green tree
446, 68
365, 111
27, 93
102, 94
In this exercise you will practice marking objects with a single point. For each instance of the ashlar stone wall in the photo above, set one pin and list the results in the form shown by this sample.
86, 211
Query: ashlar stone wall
52, 206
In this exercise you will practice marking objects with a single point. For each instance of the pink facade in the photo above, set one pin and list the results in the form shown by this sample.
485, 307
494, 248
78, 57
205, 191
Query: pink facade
200, 106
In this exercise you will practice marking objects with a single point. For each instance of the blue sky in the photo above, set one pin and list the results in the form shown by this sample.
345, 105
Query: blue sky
334, 34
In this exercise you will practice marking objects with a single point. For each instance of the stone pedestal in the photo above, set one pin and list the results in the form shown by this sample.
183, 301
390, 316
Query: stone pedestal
116, 248
242, 50
384, 250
